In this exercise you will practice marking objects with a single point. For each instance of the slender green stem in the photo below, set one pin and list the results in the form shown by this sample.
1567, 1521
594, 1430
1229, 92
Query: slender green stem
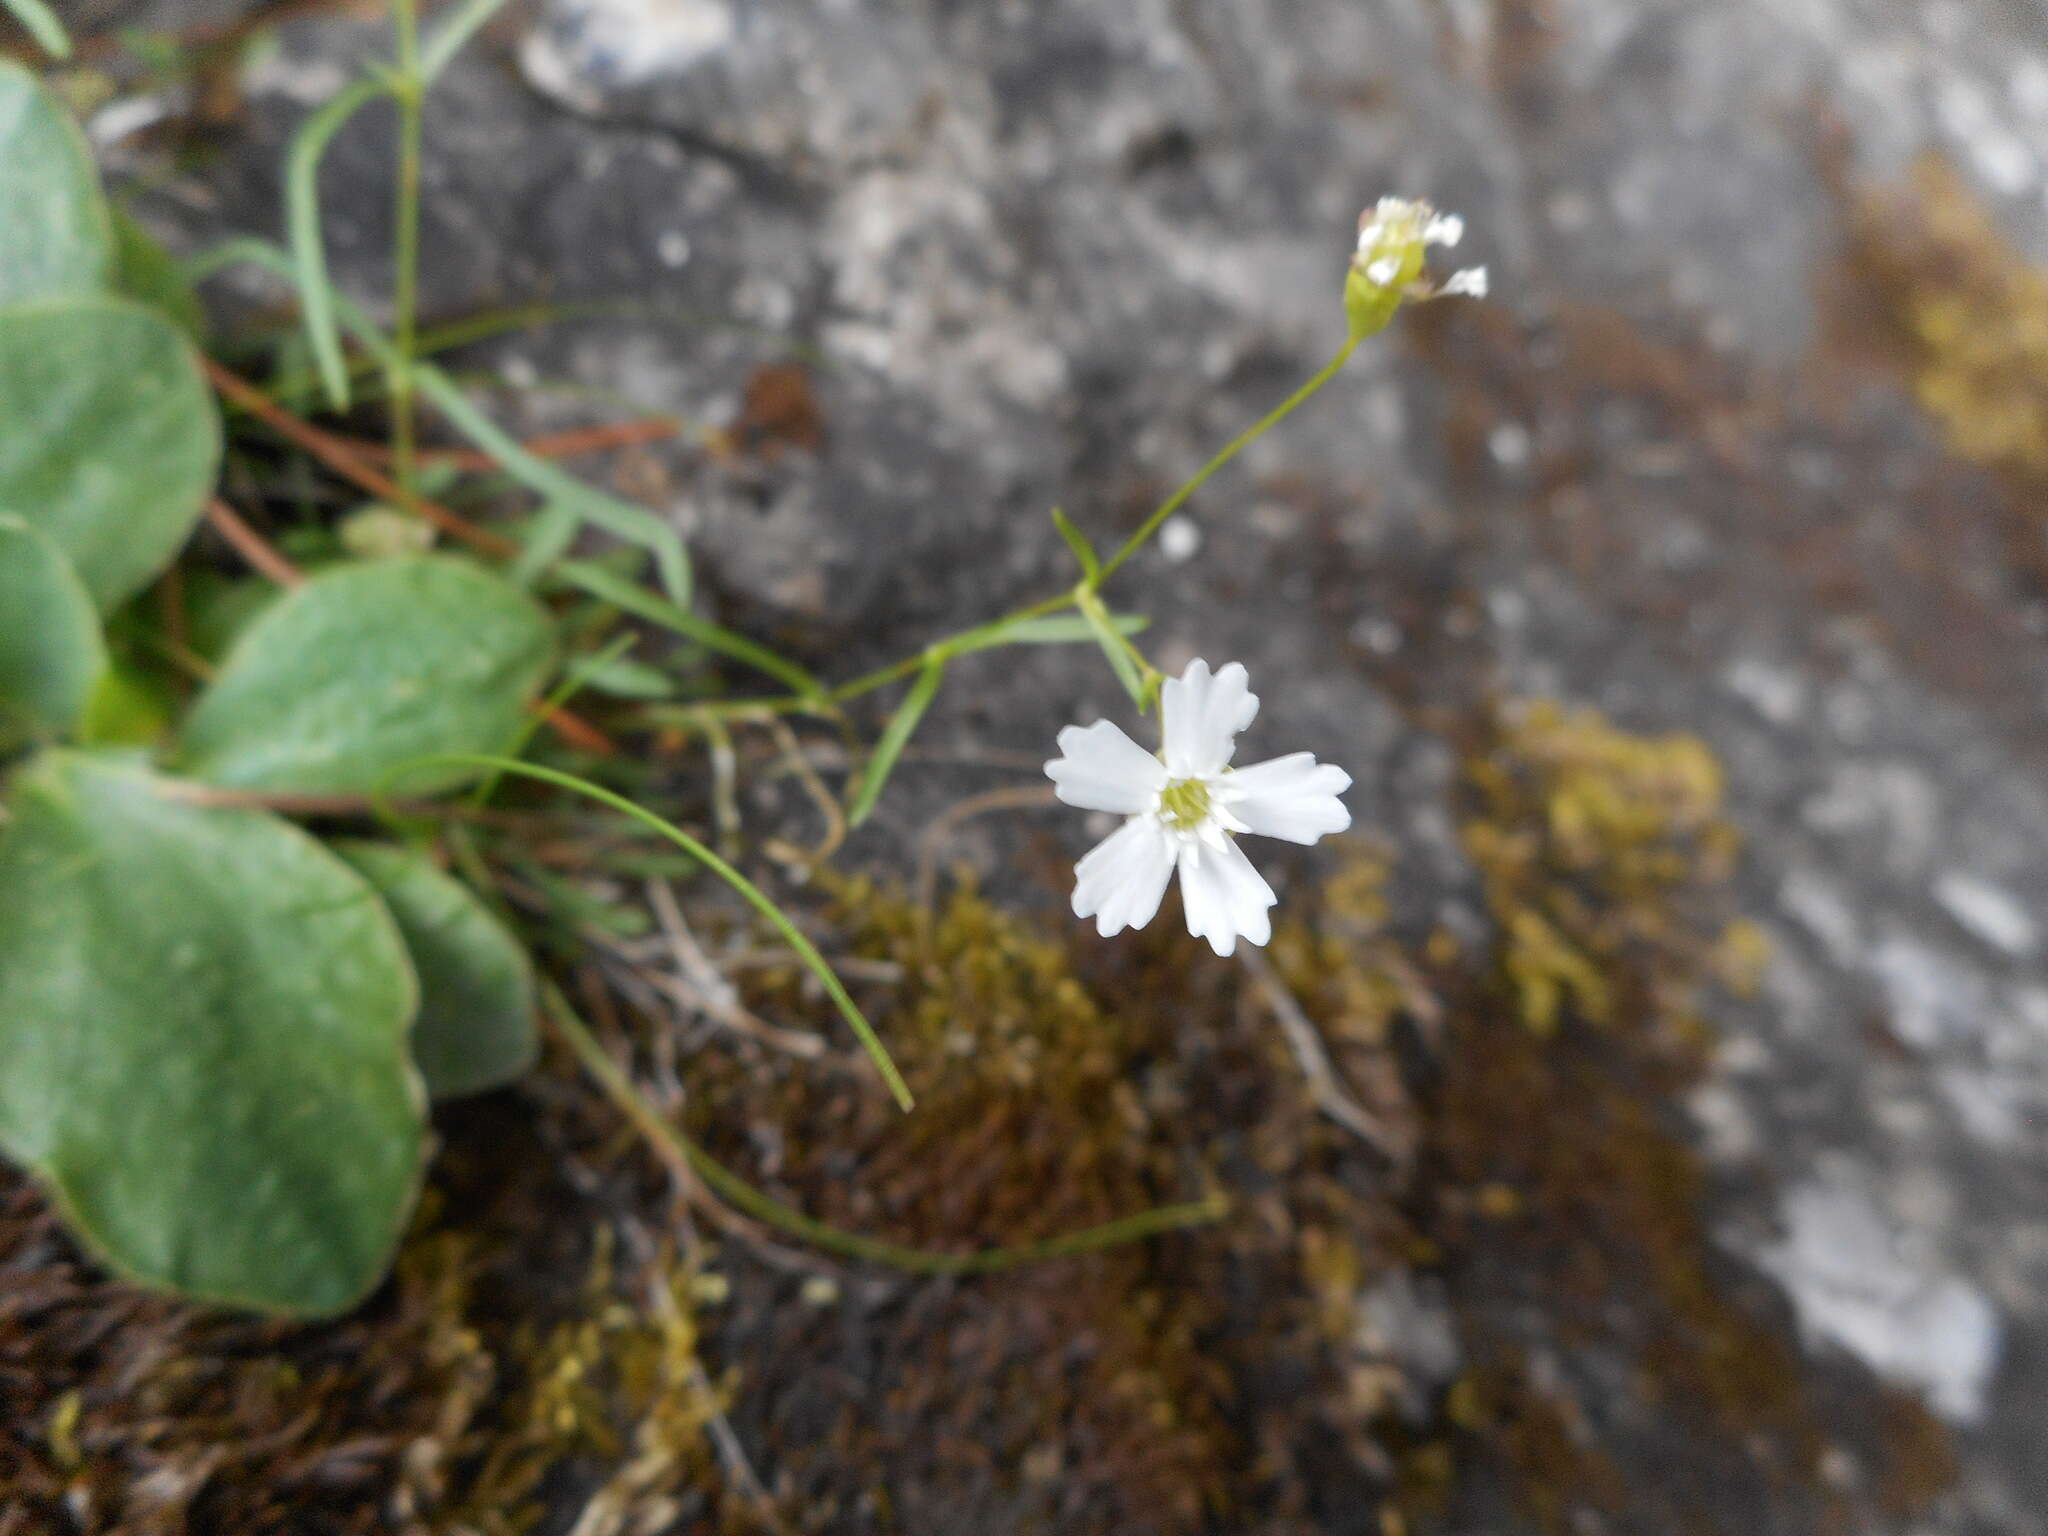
737, 1192
411, 89
1230, 450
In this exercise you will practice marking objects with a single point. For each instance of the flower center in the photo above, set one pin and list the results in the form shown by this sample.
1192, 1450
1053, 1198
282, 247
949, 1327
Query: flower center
1185, 803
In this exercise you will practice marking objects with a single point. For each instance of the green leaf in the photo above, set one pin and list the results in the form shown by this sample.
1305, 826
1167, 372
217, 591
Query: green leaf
366, 667
1078, 543
620, 518
51, 650
1114, 647
109, 439
204, 1016
475, 1026
40, 22
463, 23
623, 677
630, 597
149, 274
302, 222
54, 234
131, 707
895, 737
565, 493
218, 607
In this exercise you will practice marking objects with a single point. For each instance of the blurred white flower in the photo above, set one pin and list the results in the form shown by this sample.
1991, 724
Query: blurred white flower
1184, 808
1394, 237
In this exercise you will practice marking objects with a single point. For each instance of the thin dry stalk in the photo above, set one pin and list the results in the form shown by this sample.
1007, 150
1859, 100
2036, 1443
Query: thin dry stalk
1324, 1086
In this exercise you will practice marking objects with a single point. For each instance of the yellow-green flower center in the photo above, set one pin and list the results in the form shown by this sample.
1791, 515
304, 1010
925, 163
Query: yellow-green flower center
1185, 803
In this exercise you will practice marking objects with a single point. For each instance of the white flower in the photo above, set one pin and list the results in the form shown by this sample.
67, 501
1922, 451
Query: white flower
1393, 238
1184, 807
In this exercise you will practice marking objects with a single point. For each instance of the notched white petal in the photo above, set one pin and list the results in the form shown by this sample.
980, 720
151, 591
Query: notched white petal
1225, 898
1201, 714
1292, 797
1122, 880
1102, 769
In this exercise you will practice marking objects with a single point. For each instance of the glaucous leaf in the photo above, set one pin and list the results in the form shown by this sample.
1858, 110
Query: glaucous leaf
205, 1020
365, 668
51, 650
148, 274
55, 237
109, 438
475, 1026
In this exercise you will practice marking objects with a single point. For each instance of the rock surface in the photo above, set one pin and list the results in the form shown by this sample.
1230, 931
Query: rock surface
1055, 253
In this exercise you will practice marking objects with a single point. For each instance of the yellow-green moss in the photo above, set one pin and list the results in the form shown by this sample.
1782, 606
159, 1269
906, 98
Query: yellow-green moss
1593, 844
1973, 312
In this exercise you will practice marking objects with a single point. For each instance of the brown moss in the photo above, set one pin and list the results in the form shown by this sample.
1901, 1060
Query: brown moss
461, 1400
537, 1357
1081, 1390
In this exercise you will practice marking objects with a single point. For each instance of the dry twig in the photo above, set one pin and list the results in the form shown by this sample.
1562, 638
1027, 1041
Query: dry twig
1324, 1086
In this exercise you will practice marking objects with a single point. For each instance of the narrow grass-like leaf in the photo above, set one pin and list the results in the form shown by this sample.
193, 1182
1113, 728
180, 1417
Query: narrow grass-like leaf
547, 538
578, 674
642, 604
751, 893
1114, 647
468, 19
41, 23
895, 737
302, 222
634, 524
1078, 543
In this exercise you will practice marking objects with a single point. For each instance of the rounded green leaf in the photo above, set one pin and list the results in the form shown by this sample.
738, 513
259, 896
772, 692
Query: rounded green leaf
109, 439
205, 1019
147, 273
55, 236
365, 668
51, 651
475, 1026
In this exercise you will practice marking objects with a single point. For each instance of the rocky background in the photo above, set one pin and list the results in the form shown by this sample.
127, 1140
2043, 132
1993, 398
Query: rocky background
1744, 445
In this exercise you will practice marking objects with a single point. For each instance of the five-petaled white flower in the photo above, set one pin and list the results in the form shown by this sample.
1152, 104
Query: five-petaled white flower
1184, 807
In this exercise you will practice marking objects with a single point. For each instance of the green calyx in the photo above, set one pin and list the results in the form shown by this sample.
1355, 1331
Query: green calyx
1185, 803
1383, 271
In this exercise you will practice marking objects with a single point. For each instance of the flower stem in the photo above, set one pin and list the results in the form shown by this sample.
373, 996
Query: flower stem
409, 90
675, 1147
1230, 450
